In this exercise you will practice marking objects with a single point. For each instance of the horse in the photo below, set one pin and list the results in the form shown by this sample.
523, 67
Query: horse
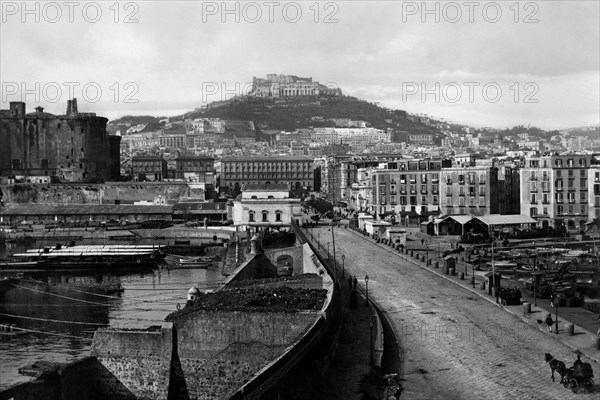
557, 366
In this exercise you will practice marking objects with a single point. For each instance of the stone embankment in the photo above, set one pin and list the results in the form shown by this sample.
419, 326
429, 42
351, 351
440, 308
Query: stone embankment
93, 193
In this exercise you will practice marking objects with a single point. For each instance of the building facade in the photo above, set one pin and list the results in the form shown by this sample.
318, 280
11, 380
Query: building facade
195, 168
407, 187
295, 172
262, 205
469, 190
148, 168
74, 147
561, 190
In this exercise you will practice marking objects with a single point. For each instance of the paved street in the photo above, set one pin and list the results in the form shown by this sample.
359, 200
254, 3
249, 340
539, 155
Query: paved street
456, 345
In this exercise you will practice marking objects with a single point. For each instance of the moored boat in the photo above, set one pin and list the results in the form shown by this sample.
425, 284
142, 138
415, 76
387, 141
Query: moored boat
90, 256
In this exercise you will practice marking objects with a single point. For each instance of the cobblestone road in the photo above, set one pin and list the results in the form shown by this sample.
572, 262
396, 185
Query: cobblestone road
456, 345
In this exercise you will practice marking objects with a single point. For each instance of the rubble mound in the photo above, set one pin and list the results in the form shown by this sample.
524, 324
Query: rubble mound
279, 299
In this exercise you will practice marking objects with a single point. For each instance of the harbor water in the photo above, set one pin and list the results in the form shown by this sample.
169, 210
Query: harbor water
54, 316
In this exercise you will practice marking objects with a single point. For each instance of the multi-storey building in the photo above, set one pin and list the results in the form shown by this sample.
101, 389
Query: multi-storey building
469, 190
557, 190
594, 189
195, 168
71, 147
407, 187
149, 168
237, 171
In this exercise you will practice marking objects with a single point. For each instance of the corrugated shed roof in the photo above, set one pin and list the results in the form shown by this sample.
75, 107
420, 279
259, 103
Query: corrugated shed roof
506, 219
84, 209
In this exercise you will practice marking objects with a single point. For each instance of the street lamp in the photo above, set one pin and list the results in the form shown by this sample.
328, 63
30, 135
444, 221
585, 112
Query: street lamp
534, 279
367, 289
556, 314
343, 269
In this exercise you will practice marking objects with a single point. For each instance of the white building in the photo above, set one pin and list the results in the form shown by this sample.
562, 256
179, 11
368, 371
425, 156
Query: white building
266, 205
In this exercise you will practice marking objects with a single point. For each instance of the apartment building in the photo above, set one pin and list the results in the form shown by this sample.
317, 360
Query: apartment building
561, 190
407, 187
469, 190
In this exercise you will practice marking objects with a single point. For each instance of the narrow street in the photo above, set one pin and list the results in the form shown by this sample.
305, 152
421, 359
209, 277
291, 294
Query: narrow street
455, 345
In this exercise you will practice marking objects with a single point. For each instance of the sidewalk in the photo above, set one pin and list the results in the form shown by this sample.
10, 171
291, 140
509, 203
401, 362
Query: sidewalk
583, 339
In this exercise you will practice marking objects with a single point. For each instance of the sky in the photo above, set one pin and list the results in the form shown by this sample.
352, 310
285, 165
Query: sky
479, 63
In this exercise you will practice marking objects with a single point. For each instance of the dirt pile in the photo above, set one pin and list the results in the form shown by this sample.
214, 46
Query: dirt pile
280, 299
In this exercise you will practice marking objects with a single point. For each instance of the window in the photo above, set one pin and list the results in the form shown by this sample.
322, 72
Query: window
16, 164
545, 176
545, 210
251, 216
545, 186
533, 212
545, 198
560, 210
277, 216
583, 208
571, 197
471, 190
461, 201
534, 186
533, 198
44, 163
482, 202
423, 199
481, 191
265, 216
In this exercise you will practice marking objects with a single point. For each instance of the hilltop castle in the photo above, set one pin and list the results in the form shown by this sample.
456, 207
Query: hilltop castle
277, 86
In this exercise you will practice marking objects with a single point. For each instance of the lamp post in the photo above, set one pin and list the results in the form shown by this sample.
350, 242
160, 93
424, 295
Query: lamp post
534, 279
343, 269
556, 314
335, 267
367, 289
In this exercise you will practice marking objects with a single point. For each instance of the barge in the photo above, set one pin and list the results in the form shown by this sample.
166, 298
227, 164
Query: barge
85, 256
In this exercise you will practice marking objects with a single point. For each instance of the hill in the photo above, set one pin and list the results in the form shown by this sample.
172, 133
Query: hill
290, 114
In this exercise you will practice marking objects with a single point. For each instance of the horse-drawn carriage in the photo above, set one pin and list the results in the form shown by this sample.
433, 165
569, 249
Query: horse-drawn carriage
579, 376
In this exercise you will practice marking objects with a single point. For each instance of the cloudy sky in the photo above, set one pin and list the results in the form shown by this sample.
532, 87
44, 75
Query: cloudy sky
484, 63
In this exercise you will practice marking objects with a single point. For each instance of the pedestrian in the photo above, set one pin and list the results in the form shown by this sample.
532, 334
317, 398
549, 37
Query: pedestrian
497, 294
504, 296
552, 300
354, 282
549, 322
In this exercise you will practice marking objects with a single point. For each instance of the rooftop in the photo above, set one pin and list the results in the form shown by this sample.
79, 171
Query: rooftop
265, 158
